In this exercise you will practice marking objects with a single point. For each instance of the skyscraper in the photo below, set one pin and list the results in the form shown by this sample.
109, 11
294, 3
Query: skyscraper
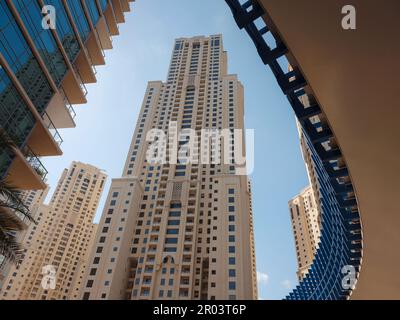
180, 229
58, 250
46, 60
32, 199
305, 209
305, 220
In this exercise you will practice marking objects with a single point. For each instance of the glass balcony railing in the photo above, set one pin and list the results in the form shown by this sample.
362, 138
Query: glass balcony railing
35, 162
81, 83
52, 128
67, 103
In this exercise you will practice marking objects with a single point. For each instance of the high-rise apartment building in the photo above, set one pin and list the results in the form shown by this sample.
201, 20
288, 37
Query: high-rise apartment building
57, 247
32, 199
43, 73
305, 220
180, 230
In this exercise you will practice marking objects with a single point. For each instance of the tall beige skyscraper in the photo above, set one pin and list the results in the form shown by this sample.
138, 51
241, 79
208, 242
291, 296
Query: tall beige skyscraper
57, 251
305, 213
179, 230
306, 228
32, 200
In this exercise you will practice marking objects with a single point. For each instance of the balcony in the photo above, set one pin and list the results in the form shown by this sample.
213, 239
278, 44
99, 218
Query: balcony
73, 85
60, 111
111, 21
119, 14
26, 171
45, 140
125, 5
104, 34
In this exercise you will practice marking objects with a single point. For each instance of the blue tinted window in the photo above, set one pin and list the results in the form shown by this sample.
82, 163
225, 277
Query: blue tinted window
93, 11
64, 30
79, 18
21, 60
103, 4
173, 222
30, 13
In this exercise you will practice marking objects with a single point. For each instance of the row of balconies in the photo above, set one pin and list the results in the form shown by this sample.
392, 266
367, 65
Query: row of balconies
26, 170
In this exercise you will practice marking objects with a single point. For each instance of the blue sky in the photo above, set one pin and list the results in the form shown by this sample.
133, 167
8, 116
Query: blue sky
142, 53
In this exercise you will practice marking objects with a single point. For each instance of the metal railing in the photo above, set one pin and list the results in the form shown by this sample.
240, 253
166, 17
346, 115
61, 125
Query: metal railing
81, 83
67, 103
52, 128
35, 162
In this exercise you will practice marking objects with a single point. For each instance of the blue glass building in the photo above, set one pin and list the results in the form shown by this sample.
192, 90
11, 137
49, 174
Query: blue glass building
43, 73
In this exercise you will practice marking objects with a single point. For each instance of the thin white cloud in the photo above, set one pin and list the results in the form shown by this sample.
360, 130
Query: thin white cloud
286, 284
262, 278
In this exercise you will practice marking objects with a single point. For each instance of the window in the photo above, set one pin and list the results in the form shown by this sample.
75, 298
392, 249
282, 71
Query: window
173, 222
232, 285
231, 249
232, 261
232, 273
174, 213
231, 238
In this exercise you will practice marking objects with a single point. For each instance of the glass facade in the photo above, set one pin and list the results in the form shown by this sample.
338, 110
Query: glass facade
16, 119
21, 60
30, 13
79, 18
65, 31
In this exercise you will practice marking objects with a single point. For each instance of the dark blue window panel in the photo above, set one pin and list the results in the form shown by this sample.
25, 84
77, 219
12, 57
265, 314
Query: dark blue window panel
103, 4
93, 11
64, 30
15, 118
30, 13
20, 58
79, 17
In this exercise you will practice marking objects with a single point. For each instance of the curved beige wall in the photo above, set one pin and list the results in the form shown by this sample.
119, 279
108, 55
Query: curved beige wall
355, 77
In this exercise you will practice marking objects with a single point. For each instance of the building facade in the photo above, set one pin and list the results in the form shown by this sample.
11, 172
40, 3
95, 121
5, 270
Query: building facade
305, 220
32, 199
57, 247
43, 73
179, 229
